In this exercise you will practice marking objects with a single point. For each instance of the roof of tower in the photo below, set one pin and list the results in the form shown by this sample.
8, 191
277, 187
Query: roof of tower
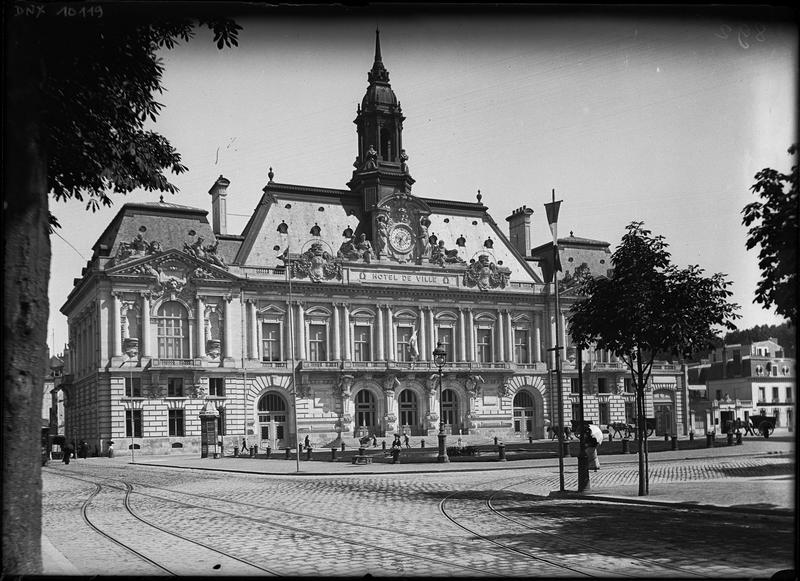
379, 91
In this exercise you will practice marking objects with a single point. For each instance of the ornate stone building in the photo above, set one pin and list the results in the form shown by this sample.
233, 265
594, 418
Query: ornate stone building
326, 308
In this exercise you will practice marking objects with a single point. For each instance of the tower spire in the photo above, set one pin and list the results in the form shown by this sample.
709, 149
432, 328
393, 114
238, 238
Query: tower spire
378, 74
378, 46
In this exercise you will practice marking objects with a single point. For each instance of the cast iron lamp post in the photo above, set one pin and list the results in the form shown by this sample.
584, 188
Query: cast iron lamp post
439, 359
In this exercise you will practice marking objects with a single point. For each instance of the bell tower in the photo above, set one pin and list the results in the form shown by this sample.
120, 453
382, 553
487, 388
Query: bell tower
380, 167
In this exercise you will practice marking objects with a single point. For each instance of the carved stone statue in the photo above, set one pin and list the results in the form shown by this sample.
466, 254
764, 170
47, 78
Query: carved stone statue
382, 236
485, 274
364, 248
317, 264
349, 249
441, 256
372, 158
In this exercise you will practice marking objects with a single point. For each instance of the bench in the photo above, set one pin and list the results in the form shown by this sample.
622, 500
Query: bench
358, 459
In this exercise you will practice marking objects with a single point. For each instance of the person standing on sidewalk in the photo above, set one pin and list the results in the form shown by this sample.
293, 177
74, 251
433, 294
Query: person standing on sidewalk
591, 452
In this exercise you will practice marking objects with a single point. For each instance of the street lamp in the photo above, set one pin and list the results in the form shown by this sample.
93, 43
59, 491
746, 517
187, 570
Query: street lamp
439, 359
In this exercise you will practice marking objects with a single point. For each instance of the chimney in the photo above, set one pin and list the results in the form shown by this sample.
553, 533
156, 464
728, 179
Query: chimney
519, 229
219, 191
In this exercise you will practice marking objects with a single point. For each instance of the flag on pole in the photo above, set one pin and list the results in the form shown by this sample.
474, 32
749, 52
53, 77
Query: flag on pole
551, 210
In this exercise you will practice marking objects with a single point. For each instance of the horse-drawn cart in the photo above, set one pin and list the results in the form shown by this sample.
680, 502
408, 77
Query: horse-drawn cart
763, 425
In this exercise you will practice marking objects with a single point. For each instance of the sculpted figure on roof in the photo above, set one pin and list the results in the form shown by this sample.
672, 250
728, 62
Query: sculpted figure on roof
485, 274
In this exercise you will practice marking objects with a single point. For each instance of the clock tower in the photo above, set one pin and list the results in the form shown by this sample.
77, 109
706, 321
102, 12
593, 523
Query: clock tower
381, 170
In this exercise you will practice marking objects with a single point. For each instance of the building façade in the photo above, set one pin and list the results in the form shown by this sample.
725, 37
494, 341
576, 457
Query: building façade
326, 308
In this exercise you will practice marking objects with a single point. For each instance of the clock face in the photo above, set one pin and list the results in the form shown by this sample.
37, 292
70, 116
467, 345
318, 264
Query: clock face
400, 238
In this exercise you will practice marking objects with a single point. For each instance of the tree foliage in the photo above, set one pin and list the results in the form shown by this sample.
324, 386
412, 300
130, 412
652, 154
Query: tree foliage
79, 87
649, 308
773, 223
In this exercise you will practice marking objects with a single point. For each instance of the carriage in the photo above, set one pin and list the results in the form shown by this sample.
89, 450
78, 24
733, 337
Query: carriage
763, 425
625, 430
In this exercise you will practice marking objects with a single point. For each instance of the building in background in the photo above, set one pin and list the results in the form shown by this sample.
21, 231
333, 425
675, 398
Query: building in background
320, 318
740, 381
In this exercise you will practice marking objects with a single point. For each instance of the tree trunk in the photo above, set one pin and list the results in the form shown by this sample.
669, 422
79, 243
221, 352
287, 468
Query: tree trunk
641, 427
26, 253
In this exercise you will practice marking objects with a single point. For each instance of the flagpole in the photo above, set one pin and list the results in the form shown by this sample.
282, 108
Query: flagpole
552, 217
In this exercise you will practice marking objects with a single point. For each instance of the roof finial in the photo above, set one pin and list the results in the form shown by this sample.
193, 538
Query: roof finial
479, 196
270, 175
161, 198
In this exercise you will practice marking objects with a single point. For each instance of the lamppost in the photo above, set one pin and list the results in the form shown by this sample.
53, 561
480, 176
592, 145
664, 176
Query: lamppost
439, 359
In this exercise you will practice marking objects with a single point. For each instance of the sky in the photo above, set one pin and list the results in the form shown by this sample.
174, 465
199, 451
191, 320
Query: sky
627, 116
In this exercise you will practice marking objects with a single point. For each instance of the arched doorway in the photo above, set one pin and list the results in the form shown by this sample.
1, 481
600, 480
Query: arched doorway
450, 414
524, 413
272, 421
409, 413
365, 413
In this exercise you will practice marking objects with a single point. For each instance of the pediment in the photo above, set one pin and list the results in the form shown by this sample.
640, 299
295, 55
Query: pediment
171, 265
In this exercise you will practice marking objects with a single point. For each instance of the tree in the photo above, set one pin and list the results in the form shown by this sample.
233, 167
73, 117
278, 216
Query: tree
649, 308
80, 81
774, 228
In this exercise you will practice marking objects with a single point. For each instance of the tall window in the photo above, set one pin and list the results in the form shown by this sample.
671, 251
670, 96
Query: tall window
365, 409
605, 413
271, 342
176, 422
361, 343
762, 394
221, 422
524, 412
403, 344
788, 394
216, 386
173, 331
602, 386
776, 394
574, 385
317, 343
630, 412
521, 346
175, 387
449, 407
484, 346
444, 335
133, 387
133, 423
628, 385
408, 408
576, 411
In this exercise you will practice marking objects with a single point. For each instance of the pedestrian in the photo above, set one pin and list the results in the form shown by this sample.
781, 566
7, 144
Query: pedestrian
396, 451
306, 443
405, 440
591, 452
459, 444
244, 445
374, 441
66, 450
111, 449
83, 450
383, 445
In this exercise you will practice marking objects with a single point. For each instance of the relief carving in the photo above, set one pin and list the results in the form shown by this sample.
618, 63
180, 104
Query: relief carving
316, 264
485, 274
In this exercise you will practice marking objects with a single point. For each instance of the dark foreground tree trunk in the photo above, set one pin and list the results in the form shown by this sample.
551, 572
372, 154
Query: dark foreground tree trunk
26, 253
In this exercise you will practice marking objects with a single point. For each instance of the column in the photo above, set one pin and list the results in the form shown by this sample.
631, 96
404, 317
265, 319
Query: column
145, 346
390, 336
346, 340
432, 329
337, 335
116, 325
288, 333
537, 338
251, 306
498, 337
226, 338
470, 336
201, 327
380, 354
461, 336
424, 352
510, 338
301, 331
563, 336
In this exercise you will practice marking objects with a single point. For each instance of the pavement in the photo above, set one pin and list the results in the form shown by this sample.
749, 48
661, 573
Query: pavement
772, 493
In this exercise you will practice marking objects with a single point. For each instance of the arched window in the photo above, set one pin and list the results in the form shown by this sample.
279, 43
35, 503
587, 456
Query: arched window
272, 419
173, 331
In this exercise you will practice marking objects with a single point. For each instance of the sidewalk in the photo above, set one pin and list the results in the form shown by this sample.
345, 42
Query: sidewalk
743, 494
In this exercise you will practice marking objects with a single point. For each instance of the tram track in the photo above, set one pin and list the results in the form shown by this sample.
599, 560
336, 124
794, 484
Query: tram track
286, 527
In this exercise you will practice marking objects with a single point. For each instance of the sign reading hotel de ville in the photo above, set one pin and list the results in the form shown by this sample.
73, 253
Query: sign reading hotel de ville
388, 278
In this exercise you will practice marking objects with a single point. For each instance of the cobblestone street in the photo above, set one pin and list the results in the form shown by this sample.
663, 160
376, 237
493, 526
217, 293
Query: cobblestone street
115, 518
